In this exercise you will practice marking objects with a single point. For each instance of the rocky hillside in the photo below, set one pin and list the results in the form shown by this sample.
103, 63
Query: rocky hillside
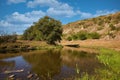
107, 26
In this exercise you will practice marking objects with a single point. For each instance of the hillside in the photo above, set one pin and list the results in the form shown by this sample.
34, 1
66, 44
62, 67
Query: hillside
107, 26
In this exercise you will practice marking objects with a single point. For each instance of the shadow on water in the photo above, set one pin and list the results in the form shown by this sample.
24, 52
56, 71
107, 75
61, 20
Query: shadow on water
58, 64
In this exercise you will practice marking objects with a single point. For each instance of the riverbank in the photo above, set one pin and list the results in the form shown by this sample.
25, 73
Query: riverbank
90, 45
111, 44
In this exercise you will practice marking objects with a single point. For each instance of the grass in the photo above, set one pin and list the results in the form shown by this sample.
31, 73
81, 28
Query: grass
111, 59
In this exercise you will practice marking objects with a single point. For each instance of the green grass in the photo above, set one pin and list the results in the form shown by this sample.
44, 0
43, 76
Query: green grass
111, 60
110, 71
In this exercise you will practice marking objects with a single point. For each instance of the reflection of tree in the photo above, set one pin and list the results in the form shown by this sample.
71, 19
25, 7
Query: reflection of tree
85, 61
45, 64
6, 65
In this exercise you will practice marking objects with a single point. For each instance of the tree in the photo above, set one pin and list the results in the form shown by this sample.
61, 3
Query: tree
46, 29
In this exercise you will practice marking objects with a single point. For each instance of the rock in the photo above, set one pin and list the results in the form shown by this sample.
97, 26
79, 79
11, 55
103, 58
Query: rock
30, 76
11, 76
36, 75
29, 72
38, 78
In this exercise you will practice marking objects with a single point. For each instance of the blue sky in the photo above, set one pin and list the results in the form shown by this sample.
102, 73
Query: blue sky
18, 15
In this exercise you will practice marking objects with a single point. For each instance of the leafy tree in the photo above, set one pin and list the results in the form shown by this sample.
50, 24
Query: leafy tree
46, 29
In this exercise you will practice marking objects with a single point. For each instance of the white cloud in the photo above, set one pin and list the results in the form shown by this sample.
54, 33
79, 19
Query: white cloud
5, 23
16, 1
49, 3
85, 15
60, 12
103, 12
28, 17
17, 22
55, 8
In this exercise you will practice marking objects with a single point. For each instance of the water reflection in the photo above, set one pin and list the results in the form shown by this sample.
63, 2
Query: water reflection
85, 61
55, 64
6, 64
45, 64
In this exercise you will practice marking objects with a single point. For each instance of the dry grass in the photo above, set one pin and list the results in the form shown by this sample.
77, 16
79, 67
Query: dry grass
112, 44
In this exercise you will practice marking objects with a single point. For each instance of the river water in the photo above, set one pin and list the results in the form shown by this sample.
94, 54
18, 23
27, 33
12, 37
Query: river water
49, 64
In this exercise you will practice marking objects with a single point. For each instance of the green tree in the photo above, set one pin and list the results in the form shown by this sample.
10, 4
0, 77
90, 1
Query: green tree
46, 29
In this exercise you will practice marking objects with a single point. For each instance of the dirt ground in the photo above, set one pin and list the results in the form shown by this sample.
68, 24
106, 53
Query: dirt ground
112, 44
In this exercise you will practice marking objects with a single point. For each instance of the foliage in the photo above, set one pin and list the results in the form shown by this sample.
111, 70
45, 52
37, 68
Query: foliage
112, 27
69, 38
94, 35
111, 59
8, 38
46, 29
83, 36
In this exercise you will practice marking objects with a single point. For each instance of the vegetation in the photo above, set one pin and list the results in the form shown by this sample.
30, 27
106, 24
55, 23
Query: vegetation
4, 38
94, 35
112, 27
46, 29
111, 59
83, 36
101, 24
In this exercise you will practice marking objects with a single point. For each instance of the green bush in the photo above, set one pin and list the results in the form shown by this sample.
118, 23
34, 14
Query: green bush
69, 38
74, 37
82, 35
94, 35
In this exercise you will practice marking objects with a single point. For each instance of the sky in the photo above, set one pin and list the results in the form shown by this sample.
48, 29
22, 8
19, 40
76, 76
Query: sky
18, 15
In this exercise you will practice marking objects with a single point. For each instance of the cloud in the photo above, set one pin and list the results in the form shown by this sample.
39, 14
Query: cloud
60, 12
27, 17
85, 15
15, 1
5, 23
17, 22
49, 3
55, 8
103, 12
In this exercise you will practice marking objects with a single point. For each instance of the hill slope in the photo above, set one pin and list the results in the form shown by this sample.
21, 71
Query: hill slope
107, 26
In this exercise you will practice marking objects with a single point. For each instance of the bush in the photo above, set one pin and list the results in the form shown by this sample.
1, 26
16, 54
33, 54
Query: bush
69, 38
94, 35
74, 37
82, 36
8, 38
112, 27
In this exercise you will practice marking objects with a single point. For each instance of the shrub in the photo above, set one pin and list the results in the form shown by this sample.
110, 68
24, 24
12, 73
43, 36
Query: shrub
112, 27
69, 38
82, 35
94, 35
74, 37
8, 38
